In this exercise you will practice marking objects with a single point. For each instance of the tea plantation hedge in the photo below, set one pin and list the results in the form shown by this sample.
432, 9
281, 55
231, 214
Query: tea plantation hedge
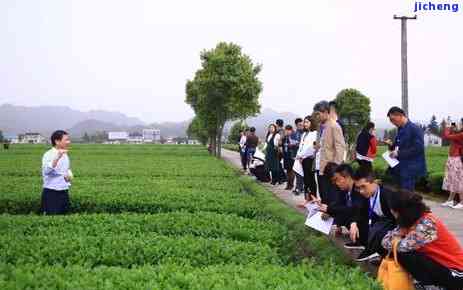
157, 217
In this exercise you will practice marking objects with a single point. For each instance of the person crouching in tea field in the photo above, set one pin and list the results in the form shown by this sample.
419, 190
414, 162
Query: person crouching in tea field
56, 175
426, 248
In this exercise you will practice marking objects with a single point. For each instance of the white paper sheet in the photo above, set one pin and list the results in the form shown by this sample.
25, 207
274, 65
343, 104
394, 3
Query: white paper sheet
317, 223
392, 162
297, 167
312, 208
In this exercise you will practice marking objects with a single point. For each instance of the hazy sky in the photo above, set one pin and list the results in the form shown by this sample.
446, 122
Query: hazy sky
135, 56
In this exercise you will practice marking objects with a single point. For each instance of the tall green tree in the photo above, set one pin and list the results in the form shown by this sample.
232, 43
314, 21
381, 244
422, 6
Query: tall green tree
1, 136
433, 126
197, 130
225, 88
354, 110
234, 135
86, 138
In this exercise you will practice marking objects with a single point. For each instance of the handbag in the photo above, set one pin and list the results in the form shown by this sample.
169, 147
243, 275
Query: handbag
392, 275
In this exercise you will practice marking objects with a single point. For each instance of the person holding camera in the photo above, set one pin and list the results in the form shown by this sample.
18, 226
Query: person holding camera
453, 180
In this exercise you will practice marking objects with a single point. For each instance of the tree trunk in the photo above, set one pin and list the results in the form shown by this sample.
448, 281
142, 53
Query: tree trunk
219, 142
213, 145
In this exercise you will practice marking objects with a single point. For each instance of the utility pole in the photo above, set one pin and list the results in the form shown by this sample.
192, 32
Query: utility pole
403, 20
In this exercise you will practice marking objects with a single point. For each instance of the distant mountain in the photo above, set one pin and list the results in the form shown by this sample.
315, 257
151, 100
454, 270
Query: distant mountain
92, 126
172, 129
46, 119
168, 129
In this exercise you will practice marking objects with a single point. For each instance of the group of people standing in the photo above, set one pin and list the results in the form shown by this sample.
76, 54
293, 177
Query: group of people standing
374, 216
312, 143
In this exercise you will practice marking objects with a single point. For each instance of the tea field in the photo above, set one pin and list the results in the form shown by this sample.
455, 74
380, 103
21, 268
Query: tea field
436, 158
157, 217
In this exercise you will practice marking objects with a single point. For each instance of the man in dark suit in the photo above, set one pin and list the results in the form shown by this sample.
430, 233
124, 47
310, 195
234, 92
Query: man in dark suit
376, 212
349, 205
408, 148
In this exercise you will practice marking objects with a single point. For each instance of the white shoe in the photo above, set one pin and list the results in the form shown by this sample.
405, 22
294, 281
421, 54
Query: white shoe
448, 203
458, 206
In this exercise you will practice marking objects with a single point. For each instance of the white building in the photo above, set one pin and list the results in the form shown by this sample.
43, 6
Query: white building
118, 136
31, 138
170, 140
11, 138
135, 138
193, 142
151, 135
432, 140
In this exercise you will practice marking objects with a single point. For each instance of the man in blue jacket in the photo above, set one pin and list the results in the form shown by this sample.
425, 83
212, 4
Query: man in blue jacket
408, 148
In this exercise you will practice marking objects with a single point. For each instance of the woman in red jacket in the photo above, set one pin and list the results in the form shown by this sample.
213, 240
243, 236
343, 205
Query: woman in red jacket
366, 147
426, 248
453, 181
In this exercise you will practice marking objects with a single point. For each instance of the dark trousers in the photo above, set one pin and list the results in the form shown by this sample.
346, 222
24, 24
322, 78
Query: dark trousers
310, 185
54, 202
244, 158
291, 175
283, 177
376, 233
408, 182
261, 173
299, 182
365, 165
428, 272
326, 189
341, 220
403, 180
249, 155
276, 176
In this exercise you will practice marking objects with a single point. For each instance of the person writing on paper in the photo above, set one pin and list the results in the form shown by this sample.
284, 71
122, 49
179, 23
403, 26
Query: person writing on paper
306, 156
408, 148
56, 175
426, 248
349, 206
376, 214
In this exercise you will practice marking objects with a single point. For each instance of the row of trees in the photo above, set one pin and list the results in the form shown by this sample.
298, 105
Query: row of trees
353, 108
437, 128
225, 88
434, 127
